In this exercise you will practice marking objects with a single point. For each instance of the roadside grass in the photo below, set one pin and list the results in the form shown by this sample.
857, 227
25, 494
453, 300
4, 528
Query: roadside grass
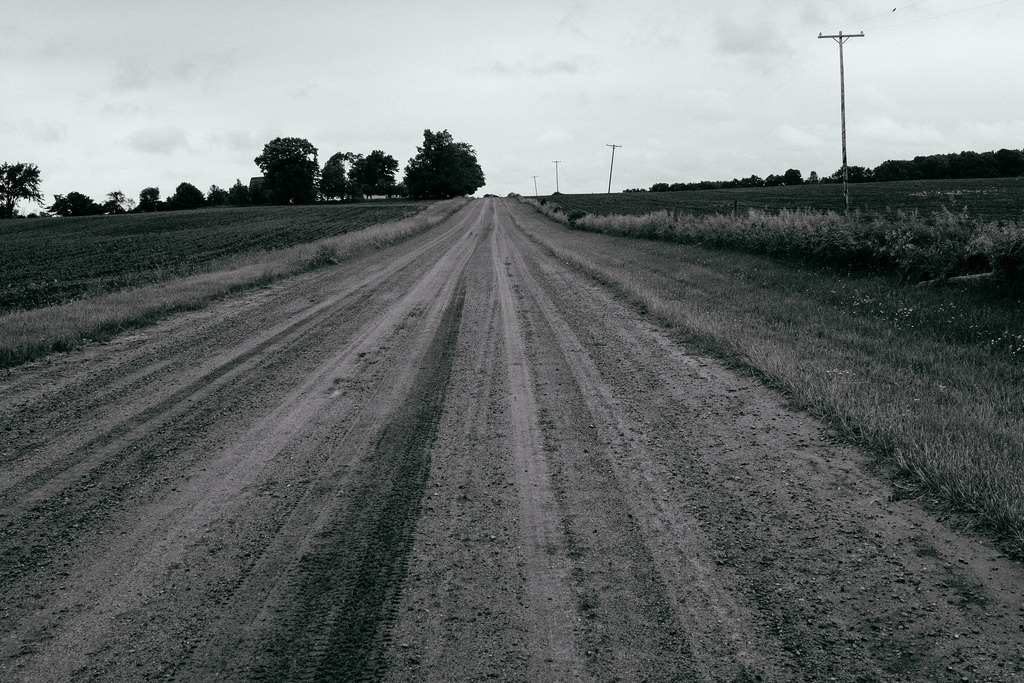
929, 378
28, 335
908, 244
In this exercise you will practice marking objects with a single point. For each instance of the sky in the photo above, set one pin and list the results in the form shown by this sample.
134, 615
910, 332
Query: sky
107, 95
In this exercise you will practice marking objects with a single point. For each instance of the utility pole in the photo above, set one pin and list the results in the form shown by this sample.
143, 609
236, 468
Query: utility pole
534, 186
842, 105
556, 163
612, 167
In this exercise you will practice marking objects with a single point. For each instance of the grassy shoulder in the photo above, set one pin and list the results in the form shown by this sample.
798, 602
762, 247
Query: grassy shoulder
32, 334
930, 378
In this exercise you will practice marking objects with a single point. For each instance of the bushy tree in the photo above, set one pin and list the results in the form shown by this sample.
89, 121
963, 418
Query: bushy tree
290, 169
149, 198
793, 176
186, 196
238, 195
18, 181
117, 202
216, 196
335, 182
74, 204
374, 173
443, 168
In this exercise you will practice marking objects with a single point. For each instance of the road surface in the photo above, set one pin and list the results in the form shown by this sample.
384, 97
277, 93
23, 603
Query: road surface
459, 459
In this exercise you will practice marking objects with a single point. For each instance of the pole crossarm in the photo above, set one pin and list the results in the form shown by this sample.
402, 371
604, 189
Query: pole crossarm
843, 37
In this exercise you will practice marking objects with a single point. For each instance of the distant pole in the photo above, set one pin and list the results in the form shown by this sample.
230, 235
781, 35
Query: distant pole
842, 106
556, 163
612, 167
535, 186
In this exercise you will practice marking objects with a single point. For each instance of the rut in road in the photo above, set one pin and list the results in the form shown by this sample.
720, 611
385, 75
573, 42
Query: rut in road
459, 458
161, 493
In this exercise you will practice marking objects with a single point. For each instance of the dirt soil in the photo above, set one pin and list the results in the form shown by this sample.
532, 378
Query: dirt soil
458, 459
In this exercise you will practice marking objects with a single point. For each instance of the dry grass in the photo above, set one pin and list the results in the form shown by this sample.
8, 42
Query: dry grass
27, 335
929, 378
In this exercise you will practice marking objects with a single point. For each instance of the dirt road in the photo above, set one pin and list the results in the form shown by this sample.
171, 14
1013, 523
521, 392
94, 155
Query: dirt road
457, 459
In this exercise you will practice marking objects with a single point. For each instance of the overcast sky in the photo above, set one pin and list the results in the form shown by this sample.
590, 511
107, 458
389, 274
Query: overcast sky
122, 94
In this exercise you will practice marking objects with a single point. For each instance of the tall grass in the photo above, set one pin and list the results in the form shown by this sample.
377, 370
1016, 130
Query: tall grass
931, 379
27, 335
916, 247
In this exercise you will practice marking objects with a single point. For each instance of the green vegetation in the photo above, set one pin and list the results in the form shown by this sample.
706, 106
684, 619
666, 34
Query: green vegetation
907, 243
443, 168
18, 181
26, 335
930, 378
49, 262
989, 199
1006, 163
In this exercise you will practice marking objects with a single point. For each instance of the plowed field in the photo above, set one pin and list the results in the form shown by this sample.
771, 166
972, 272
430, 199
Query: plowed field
459, 459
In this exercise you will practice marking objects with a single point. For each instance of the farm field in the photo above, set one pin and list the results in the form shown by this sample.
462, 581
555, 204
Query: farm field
472, 455
985, 198
45, 262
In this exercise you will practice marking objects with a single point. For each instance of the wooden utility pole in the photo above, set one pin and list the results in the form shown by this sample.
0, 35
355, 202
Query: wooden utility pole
842, 106
556, 163
610, 169
534, 186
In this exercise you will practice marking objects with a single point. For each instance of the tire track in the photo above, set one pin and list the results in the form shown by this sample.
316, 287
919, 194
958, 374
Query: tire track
178, 515
550, 607
144, 416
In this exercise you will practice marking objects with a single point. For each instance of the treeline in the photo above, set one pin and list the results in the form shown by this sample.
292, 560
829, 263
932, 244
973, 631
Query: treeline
441, 169
1005, 163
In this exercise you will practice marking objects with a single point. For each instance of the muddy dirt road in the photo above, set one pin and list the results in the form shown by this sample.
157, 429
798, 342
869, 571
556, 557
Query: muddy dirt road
457, 459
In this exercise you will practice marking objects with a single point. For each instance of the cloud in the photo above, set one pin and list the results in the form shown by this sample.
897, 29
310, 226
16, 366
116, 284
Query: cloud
884, 129
536, 67
133, 75
798, 138
237, 140
158, 140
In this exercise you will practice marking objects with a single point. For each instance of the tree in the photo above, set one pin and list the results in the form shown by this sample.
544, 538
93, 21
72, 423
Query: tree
117, 202
74, 204
443, 168
238, 195
18, 181
375, 173
186, 196
149, 198
335, 181
793, 176
1010, 162
216, 196
290, 169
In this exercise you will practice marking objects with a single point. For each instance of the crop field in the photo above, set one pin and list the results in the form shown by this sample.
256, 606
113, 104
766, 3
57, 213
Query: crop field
982, 198
46, 262
920, 239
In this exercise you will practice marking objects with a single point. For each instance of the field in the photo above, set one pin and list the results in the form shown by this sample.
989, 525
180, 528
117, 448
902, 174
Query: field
45, 262
988, 198
918, 241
